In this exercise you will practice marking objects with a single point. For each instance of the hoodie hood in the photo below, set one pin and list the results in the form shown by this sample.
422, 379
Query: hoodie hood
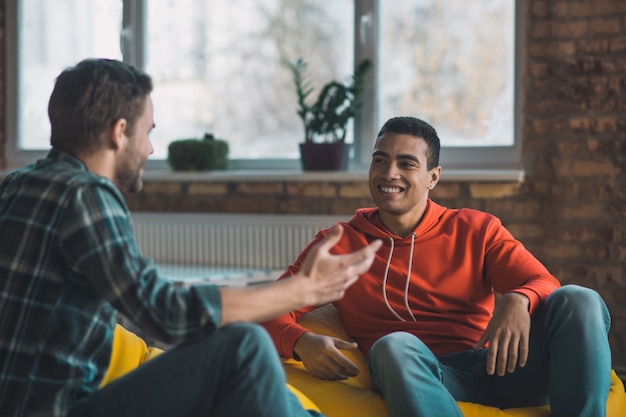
367, 220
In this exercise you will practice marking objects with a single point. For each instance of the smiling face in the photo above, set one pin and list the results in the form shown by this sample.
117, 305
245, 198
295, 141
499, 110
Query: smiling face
399, 180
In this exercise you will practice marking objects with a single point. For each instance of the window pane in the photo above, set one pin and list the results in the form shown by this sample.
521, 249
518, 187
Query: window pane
219, 67
54, 35
451, 63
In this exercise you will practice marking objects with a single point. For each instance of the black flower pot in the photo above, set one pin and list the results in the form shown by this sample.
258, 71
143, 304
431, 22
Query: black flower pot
324, 156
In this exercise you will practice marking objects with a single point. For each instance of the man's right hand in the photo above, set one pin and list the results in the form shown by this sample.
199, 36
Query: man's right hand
323, 277
326, 276
322, 357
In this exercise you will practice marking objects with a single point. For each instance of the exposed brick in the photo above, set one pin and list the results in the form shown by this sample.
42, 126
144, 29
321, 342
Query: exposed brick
172, 188
590, 8
354, 190
593, 125
542, 29
257, 204
524, 231
527, 210
552, 9
595, 252
543, 126
593, 46
539, 69
582, 168
592, 65
572, 29
618, 44
617, 84
539, 9
585, 234
606, 25
602, 274
602, 46
311, 189
207, 188
260, 188
582, 211
558, 250
551, 49
307, 206
446, 190
494, 190
598, 104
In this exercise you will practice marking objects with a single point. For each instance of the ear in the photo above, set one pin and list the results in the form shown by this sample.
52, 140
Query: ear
119, 140
435, 175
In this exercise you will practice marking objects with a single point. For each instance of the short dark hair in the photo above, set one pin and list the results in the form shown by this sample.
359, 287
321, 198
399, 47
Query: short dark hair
420, 129
91, 97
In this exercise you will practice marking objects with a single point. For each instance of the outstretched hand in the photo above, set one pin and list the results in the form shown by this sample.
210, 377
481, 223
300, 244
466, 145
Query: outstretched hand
322, 357
508, 333
327, 276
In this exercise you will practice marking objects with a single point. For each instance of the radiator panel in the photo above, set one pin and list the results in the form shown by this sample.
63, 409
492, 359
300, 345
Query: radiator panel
228, 249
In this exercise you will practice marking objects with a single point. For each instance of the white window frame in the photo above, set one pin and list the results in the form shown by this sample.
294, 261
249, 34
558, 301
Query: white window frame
484, 158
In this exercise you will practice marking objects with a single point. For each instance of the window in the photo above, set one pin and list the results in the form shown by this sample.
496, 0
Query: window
219, 67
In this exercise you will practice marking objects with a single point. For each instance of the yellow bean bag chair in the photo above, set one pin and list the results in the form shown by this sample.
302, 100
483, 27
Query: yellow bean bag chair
130, 351
354, 397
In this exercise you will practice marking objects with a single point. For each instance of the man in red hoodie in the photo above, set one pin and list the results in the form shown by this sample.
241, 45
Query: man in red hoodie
425, 316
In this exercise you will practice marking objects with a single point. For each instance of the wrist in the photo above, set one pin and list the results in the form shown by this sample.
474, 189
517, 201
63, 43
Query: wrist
519, 298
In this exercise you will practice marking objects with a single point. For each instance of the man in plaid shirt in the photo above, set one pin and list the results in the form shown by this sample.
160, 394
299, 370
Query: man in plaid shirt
69, 264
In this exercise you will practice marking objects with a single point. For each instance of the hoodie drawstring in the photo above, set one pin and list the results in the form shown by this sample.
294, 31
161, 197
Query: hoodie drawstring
408, 280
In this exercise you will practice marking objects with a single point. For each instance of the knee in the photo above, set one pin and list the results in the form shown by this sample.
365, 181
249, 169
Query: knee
580, 304
247, 344
399, 347
247, 334
401, 356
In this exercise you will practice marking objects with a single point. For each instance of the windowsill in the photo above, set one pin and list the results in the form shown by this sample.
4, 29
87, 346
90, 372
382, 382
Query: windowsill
295, 175
263, 175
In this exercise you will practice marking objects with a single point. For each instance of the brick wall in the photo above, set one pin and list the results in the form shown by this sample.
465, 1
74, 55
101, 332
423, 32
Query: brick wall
571, 209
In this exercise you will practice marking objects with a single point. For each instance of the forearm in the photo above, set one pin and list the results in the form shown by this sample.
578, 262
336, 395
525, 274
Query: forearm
261, 303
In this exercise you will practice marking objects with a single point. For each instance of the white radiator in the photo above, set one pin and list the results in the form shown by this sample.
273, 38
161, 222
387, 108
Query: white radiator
227, 249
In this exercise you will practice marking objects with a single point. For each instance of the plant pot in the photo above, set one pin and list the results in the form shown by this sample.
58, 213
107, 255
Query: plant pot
324, 156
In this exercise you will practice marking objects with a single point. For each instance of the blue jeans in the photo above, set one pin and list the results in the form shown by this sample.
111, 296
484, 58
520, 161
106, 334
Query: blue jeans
232, 372
569, 366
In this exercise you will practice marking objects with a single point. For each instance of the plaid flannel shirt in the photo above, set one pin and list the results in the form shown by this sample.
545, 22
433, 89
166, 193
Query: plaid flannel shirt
68, 264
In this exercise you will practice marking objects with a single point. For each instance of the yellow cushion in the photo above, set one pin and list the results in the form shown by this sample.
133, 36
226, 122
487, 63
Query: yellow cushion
354, 397
130, 351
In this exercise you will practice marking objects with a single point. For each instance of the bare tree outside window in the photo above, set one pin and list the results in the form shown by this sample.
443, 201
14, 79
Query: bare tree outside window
450, 62
224, 71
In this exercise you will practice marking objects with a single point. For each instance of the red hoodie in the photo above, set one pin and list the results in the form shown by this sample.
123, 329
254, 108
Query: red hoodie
436, 283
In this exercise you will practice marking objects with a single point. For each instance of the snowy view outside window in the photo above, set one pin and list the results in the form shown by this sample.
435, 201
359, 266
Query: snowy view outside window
53, 36
219, 65
450, 62
224, 71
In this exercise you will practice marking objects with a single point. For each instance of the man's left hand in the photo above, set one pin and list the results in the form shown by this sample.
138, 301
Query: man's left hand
507, 333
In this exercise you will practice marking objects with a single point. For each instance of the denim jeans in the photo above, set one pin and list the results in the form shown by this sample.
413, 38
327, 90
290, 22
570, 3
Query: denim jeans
568, 367
232, 372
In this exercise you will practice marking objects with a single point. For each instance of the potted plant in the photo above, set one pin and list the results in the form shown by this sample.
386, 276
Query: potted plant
192, 154
326, 119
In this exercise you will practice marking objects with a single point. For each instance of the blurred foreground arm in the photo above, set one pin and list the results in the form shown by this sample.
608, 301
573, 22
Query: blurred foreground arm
323, 278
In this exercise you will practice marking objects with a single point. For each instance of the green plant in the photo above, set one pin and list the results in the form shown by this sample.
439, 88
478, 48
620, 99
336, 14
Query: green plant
204, 154
326, 119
